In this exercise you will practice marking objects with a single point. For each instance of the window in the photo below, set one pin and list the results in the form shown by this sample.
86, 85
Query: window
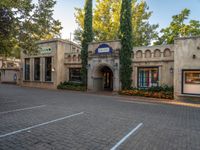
192, 77
27, 69
191, 82
147, 77
75, 74
48, 65
37, 69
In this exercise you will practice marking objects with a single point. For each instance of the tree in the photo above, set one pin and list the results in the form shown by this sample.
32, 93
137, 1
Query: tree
30, 23
6, 22
106, 22
126, 44
179, 28
87, 38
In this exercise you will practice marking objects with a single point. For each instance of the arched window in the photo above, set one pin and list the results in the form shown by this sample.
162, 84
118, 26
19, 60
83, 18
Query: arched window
74, 58
147, 54
139, 54
157, 53
79, 57
69, 58
167, 53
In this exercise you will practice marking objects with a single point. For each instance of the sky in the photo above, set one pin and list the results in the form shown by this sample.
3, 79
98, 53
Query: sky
163, 10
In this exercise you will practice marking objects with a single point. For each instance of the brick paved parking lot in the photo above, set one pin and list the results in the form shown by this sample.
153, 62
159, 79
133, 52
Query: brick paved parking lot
39, 119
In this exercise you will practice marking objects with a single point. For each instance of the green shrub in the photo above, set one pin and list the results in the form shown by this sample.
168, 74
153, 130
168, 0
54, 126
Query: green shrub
71, 86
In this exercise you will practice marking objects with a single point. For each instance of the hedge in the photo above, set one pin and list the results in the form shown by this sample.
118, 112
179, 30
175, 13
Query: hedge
71, 86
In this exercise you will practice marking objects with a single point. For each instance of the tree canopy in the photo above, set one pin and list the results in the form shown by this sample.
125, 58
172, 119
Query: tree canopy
179, 28
106, 22
27, 22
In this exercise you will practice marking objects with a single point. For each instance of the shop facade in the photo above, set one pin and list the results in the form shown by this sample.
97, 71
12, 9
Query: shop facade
187, 68
9, 70
152, 66
175, 65
56, 61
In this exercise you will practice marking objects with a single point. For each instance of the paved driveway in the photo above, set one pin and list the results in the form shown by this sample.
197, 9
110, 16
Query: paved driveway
38, 119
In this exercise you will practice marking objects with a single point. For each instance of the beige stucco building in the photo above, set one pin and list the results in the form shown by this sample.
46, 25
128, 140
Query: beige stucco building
152, 66
57, 61
175, 65
9, 70
187, 68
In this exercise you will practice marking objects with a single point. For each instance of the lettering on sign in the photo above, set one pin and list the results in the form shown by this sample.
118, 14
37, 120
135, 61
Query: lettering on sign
103, 49
45, 50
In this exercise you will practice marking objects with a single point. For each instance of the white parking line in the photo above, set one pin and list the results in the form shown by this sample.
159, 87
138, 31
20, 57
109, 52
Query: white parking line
42, 124
28, 108
127, 136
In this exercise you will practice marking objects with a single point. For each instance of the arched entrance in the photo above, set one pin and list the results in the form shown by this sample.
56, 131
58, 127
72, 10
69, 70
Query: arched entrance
107, 78
103, 78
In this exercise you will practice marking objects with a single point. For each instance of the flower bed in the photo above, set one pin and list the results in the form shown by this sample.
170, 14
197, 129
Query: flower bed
71, 86
164, 92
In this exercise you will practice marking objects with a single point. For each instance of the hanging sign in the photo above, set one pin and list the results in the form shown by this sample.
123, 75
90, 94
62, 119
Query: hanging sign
103, 49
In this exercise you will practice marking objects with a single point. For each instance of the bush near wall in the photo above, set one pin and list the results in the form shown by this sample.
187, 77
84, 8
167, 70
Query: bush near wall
163, 92
71, 86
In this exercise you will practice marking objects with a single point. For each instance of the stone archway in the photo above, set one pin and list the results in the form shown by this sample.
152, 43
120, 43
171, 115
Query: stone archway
103, 78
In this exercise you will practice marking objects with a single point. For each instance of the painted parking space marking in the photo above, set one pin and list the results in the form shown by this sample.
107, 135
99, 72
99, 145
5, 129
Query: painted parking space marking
21, 109
41, 124
127, 136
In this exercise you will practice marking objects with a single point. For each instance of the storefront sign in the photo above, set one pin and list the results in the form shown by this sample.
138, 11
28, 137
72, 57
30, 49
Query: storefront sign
45, 50
104, 49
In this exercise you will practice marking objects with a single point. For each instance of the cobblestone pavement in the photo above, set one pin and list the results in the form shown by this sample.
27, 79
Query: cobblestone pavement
39, 119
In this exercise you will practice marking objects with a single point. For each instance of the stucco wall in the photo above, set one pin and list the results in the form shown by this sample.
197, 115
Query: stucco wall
60, 49
96, 61
7, 75
161, 56
185, 48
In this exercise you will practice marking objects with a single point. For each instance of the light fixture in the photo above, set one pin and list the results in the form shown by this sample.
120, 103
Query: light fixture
88, 66
115, 65
171, 70
53, 69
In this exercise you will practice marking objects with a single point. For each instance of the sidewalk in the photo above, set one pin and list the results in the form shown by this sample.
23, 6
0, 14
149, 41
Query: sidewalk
147, 99
161, 101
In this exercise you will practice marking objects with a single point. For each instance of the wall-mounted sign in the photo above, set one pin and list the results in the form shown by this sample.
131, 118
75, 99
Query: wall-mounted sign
45, 50
103, 49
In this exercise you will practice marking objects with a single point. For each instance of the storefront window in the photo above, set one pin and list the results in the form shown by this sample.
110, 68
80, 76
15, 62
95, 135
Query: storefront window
48, 65
147, 77
27, 69
75, 74
191, 82
37, 69
192, 77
